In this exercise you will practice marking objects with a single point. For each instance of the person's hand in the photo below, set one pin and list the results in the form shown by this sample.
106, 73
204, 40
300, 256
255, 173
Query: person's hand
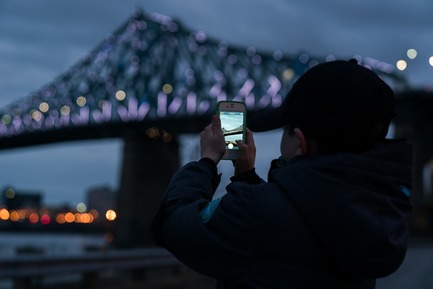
212, 141
247, 155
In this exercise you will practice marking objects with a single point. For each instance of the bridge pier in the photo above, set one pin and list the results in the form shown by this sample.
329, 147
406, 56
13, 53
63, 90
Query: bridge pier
414, 122
149, 161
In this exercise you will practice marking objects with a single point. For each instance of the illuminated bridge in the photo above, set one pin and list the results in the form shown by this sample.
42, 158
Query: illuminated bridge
148, 82
152, 71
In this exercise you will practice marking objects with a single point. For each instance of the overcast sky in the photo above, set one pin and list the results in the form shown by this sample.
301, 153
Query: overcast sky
41, 39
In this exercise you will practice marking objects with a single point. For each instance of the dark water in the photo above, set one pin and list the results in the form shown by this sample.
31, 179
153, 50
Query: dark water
12, 244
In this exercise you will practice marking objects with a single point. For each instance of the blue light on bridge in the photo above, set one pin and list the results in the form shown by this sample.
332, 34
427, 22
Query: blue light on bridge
153, 68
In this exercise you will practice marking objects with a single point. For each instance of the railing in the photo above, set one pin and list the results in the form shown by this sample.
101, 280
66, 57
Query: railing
25, 269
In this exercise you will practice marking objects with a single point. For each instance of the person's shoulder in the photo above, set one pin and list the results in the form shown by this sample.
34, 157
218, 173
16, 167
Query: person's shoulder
257, 195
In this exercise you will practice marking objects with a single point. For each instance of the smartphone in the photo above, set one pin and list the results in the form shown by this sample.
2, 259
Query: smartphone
233, 121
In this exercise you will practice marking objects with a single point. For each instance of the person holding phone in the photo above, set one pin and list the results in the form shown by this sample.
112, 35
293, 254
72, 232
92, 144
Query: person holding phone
334, 210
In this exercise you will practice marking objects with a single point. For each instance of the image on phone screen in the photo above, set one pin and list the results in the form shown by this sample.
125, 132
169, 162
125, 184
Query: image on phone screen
232, 127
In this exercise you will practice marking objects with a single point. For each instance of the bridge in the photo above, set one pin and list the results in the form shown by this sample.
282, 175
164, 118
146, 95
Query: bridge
236, 130
150, 81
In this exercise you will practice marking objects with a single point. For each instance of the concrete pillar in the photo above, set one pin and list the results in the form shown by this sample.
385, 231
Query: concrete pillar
149, 161
414, 122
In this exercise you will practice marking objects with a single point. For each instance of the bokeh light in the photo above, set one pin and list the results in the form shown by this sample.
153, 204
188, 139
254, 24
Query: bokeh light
6, 119
103, 104
94, 213
401, 65
81, 207
81, 101
44, 107
412, 53
65, 110
166, 136
110, 215
69, 217
36, 115
167, 88
60, 219
14, 216
288, 74
4, 214
120, 95
153, 132
33, 218
45, 219
10, 193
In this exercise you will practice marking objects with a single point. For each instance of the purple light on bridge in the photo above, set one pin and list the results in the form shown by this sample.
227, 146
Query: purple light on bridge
123, 113
250, 100
272, 93
49, 122
143, 110
132, 107
97, 116
275, 86
84, 115
3, 129
222, 96
245, 90
27, 120
175, 105
264, 101
64, 120
191, 102
36, 125
215, 90
218, 92
203, 107
247, 87
75, 119
82, 118
106, 111
276, 101
162, 104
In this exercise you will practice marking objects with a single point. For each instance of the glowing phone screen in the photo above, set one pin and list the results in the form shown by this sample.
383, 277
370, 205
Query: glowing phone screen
232, 124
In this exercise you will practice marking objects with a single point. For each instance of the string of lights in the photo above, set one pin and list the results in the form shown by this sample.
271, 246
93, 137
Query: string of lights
152, 68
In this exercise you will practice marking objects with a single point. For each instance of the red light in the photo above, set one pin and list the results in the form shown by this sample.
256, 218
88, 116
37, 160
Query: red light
33, 218
45, 219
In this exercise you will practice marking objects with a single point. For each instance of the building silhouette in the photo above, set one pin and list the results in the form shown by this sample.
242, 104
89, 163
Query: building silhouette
14, 199
101, 199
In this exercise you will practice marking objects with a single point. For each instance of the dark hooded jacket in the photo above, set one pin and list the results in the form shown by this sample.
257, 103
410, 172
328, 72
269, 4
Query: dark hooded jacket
332, 221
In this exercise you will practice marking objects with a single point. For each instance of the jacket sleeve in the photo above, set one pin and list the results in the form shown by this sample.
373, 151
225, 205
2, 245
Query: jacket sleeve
216, 237
196, 183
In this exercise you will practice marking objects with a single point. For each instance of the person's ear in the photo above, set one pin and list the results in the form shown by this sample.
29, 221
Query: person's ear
302, 149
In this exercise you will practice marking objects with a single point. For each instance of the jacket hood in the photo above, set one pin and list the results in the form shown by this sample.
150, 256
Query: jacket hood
356, 205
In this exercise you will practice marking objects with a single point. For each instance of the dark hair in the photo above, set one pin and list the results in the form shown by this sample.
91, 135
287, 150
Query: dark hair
332, 145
